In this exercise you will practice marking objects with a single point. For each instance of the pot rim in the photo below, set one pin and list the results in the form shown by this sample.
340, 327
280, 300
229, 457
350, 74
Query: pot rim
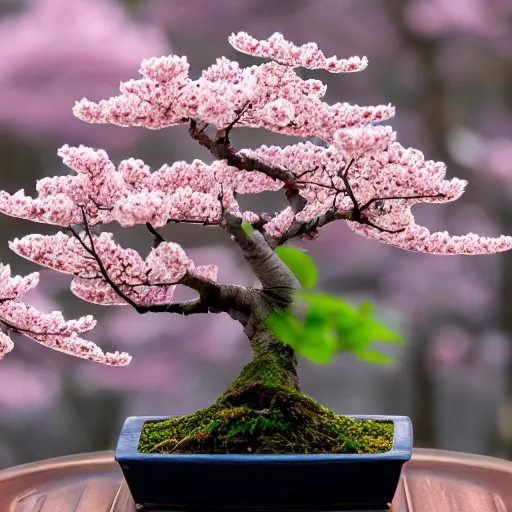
401, 449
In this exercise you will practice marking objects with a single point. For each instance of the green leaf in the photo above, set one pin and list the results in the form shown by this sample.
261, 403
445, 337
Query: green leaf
328, 325
285, 327
360, 335
331, 305
366, 308
311, 339
377, 332
373, 356
317, 342
320, 351
300, 263
248, 229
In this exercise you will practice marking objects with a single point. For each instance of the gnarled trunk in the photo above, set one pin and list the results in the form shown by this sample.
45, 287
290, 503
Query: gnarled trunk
275, 363
274, 366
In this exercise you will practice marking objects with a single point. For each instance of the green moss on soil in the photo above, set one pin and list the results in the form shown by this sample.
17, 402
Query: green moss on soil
257, 415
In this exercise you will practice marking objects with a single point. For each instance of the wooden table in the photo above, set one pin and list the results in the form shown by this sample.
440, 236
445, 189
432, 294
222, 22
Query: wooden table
433, 481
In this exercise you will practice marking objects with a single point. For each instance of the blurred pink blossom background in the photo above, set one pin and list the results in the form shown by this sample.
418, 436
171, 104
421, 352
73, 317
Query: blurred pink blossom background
54, 52
447, 66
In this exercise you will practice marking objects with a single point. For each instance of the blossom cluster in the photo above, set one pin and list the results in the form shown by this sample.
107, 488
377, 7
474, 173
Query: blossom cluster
367, 168
360, 173
131, 194
50, 330
362, 167
272, 95
146, 282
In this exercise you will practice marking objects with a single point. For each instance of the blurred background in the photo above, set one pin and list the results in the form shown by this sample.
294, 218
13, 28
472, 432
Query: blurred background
447, 66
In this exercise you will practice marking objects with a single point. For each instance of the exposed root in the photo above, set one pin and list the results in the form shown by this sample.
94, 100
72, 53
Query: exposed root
256, 418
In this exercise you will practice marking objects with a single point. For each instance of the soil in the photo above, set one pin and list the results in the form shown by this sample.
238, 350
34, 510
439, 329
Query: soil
259, 418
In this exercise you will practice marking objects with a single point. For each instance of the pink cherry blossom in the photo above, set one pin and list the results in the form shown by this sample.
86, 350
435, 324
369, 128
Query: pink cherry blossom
168, 263
250, 217
131, 194
280, 223
358, 172
418, 238
15, 287
210, 272
6, 344
51, 330
99, 292
307, 56
279, 99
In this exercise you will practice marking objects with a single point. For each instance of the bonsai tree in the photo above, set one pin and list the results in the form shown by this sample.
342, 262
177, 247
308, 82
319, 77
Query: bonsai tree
356, 172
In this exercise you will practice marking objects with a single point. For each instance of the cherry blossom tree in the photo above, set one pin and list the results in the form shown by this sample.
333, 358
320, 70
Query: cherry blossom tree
445, 65
357, 173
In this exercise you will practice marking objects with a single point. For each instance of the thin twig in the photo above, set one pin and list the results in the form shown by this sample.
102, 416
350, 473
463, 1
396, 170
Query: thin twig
102, 268
375, 199
158, 238
371, 224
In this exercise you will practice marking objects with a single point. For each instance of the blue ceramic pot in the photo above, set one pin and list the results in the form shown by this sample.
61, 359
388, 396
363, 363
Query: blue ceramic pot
276, 482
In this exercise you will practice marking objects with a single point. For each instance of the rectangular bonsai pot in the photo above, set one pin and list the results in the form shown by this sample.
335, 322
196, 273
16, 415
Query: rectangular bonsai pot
253, 481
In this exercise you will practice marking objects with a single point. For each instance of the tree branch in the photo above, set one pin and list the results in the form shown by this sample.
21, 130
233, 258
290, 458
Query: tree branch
99, 206
102, 268
225, 151
222, 136
344, 176
213, 297
221, 149
364, 220
310, 227
375, 199
187, 221
157, 237
22, 330
233, 225
185, 308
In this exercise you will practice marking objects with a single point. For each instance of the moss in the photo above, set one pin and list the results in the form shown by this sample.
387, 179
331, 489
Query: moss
268, 371
256, 415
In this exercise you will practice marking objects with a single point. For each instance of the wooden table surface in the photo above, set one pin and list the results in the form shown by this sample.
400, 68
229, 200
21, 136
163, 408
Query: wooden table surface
433, 481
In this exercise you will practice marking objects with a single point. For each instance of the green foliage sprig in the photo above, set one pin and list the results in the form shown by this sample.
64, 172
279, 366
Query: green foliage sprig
319, 325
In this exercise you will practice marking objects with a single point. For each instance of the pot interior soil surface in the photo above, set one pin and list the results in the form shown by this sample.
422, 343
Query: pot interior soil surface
259, 419
433, 481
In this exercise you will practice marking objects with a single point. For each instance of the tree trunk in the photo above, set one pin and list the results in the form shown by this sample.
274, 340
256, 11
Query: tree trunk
274, 366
